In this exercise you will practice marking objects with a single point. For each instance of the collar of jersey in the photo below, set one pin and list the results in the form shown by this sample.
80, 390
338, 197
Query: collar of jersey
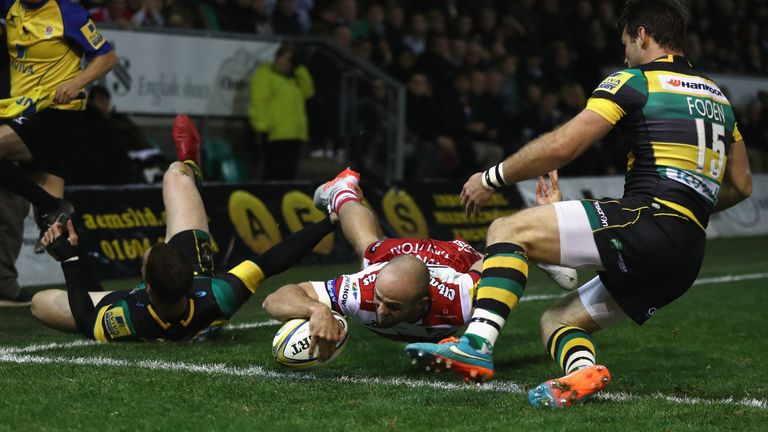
166, 325
671, 58
28, 5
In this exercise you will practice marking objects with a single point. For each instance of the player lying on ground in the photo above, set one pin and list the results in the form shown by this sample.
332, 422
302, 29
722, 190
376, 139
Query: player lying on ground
409, 289
180, 297
687, 160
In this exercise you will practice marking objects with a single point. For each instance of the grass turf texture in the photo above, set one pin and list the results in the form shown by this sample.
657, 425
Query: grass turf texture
708, 345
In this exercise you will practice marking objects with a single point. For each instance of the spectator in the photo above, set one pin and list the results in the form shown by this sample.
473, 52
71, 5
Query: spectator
343, 36
285, 19
348, 13
325, 17
113, 12
372, 26
103, 153
437, 65
279, 91
395, 28
428, 152
404, 67
436, 22
416, 38
149, 15
179, 15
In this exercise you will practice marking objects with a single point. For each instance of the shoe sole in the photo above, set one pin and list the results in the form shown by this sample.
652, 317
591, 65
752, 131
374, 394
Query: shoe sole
438, 364
558, 393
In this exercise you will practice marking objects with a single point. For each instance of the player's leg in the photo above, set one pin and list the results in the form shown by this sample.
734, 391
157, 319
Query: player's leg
566, 331
14, 179
559, 233
183, 204
342, 196
358, 223
184, 207
511, 241
51, 307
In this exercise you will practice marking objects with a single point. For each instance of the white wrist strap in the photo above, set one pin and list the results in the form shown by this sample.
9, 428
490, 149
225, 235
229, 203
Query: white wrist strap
493, 178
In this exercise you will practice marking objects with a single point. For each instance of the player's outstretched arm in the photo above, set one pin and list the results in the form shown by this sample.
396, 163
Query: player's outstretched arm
300, 301
246, 277
63, 248
737, 182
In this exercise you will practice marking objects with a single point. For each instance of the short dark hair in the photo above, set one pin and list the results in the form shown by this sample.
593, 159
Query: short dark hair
664, 20
168, 273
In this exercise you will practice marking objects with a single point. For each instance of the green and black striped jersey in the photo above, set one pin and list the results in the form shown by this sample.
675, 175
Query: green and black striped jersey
211, 302
679, 126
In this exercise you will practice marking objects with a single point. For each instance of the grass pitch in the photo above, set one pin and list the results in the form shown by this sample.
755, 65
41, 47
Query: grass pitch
699, 364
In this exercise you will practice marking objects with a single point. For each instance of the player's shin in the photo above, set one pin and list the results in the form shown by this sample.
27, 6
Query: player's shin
505, 273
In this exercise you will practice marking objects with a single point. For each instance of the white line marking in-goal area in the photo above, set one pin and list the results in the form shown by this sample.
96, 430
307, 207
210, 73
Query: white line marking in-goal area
259, 372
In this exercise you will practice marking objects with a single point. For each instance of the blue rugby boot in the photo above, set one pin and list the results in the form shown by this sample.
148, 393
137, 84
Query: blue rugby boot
452, 354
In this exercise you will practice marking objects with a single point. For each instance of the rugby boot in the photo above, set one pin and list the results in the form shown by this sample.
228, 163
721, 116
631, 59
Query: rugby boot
566, 278
347, 179
45, 220
187, 140
573, 388
455, 355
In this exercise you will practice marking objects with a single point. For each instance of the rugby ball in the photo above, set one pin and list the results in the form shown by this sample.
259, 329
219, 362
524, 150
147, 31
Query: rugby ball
290, 347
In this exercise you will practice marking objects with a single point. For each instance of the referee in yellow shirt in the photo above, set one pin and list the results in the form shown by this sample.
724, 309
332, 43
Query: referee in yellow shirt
47, 40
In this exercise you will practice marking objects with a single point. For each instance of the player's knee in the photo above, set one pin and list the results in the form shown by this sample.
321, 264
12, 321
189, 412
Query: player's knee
176, 171
508, 229
41, 305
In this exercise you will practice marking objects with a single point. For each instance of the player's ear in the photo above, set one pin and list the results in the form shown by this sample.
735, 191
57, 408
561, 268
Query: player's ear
645, 38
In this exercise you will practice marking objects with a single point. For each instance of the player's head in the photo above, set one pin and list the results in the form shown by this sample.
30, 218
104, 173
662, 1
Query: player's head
167, 273
645, 22
401, 292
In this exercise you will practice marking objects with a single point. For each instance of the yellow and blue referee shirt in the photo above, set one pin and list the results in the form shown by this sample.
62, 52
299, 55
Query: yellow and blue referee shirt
46, 42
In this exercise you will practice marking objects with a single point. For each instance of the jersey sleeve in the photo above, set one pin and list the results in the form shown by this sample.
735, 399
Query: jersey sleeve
80, 29
113, 323
736, 133
230, 292
619, 94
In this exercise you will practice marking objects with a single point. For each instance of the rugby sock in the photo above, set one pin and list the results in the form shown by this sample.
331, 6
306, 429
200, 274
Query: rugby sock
572, 348
15, 180
505, 273
341, 197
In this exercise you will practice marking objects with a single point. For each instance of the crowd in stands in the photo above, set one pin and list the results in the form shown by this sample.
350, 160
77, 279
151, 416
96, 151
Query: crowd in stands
483, 76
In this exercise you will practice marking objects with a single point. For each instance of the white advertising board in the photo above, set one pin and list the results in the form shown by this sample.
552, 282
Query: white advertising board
168, 74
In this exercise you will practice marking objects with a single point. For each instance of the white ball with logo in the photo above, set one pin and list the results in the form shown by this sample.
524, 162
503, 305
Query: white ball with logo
290, 346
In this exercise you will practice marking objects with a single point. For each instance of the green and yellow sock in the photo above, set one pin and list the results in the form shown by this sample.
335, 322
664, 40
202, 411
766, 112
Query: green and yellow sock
505, 273
572, 348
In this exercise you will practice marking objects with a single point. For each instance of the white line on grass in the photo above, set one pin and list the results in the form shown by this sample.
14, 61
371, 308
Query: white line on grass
240, 326
730, 278
259, 372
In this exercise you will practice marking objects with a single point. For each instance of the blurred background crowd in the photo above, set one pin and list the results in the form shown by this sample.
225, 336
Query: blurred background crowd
482, 76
